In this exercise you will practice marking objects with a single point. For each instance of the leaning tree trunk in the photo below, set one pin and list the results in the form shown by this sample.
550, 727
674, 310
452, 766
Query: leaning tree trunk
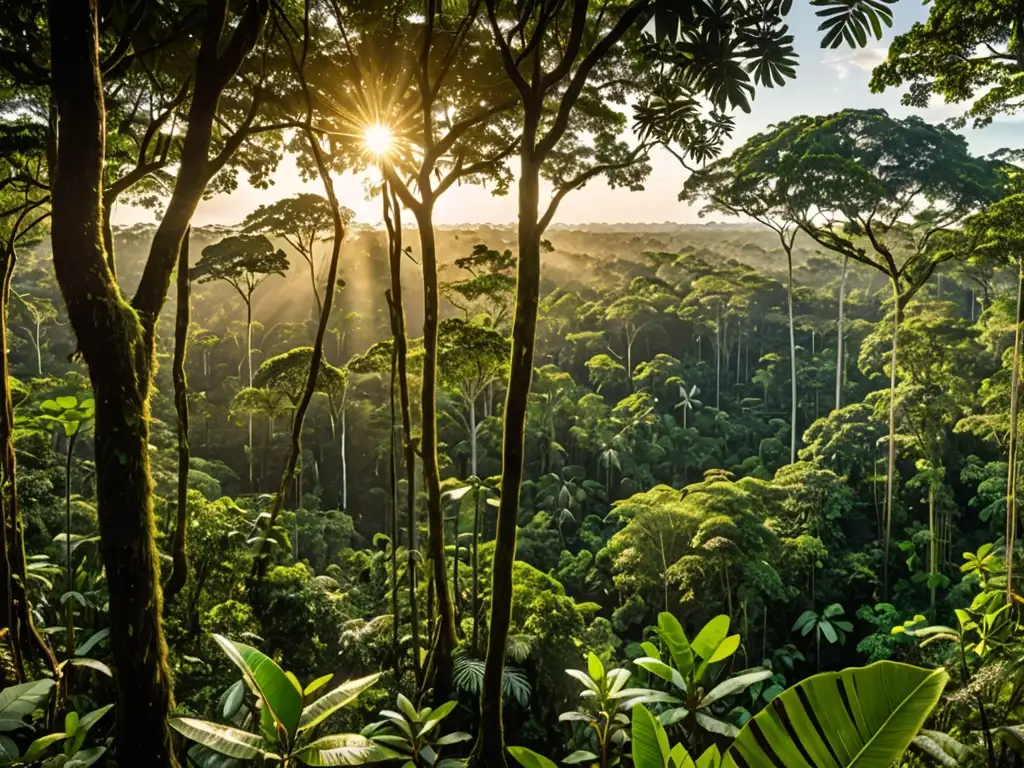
839, 334
441, 653
401, 343
316, 361
792, 358
1013, 458
26, 643
182, 318
489, 749
111, 338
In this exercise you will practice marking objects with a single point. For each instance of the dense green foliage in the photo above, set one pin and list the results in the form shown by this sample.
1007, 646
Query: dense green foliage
734, 495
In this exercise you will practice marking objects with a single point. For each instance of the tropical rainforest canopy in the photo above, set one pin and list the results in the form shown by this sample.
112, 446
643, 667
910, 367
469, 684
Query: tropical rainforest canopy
296, 490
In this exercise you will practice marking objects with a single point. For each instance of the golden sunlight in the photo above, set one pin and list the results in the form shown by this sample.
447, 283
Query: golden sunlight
378, 139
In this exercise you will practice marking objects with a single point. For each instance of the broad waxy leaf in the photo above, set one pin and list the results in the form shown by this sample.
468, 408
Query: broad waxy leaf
281, 697
220, 738
867, 718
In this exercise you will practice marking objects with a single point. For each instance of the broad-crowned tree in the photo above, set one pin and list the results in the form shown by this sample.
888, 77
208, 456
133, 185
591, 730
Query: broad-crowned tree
243, 262
996, 236
729, 188
303, 220
489, 288
879, 191
967, 52
288, 372
471, 359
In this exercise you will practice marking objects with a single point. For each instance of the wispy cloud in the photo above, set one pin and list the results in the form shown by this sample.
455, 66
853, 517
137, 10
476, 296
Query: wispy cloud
862, 59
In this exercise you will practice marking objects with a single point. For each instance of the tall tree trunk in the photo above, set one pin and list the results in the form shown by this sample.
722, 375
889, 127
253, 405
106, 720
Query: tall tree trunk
316, 360
840, 332
933, 543
111, 338
472, 439
248, 362
344, 459
489, 749
890, 475
182, 318
441, 653
26, 642
456, 608
792, 357
718, 360
69, 616
401, 342
1013, 460
393, 523
476, 566
39, 347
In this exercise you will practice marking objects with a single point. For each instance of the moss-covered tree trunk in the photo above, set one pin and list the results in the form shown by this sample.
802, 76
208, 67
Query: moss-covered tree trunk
112, 341
26, 643
489, 750
182, 318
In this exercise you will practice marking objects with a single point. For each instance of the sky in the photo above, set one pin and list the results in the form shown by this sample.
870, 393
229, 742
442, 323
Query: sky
827, 81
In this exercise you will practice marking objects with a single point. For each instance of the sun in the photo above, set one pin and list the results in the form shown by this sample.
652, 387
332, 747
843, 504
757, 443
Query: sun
378, 139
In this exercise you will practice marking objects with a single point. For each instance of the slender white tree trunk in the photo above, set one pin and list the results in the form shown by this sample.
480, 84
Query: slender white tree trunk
792, 362
39, 347
840, 332
890, 477
718, 361
344, 463
248, 358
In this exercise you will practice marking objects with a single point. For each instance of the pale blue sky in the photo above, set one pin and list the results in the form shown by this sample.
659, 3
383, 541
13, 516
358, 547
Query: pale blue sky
827, 81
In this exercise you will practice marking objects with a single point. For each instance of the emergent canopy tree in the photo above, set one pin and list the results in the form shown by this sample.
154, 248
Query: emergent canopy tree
731, 188
243, 262
996, 235
303, 221
877, 190
573, 71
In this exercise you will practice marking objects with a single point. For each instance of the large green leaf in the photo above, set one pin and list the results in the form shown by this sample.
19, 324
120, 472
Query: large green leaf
734, 685
334, 700
672, 634
19, 701
343, 749
530, 759
281, 696
649, 740
863, 717
711, 636
220, 738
